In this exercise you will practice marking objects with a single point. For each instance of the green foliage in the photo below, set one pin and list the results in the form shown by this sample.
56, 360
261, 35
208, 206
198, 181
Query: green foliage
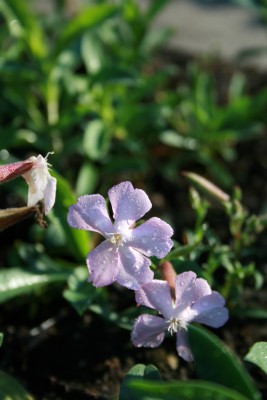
215, 362
10, 389
182, 391
204, 244
138, 373
80, 293
16, 282
144, 382
258, 355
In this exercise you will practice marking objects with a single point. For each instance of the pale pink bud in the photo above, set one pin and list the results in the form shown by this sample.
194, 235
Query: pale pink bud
13, 170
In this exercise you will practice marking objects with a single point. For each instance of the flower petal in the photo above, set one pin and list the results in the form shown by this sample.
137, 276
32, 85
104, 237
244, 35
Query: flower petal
148, 331
90, 213
182, 345
152, 238
157, 295
50, 193
103, 264
188, 289
210, 310
128, 204
134, 268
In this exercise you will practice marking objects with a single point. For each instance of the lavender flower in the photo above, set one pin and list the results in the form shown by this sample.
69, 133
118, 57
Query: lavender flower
123, 256
194, 302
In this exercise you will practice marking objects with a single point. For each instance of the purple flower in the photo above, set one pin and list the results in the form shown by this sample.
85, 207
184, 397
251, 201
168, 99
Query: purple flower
123, 256
194, 302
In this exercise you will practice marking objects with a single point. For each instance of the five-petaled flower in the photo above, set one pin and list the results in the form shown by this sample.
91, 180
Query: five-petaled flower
123, 256
42, 186
194, 301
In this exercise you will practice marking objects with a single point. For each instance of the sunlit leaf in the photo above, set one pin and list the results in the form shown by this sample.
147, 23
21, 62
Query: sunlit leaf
24, 24
87, 179
258, 355
138, 372
87, 19
96, 139
16, 281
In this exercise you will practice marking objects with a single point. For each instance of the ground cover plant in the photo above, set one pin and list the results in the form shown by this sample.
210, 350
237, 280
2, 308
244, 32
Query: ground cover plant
133, 211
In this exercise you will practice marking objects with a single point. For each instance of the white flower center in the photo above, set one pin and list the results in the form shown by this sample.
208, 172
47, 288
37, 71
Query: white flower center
175, 324
116, 239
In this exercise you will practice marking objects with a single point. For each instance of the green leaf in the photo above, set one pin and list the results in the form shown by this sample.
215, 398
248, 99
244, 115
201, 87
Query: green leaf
87, 179
10, 389
77, 240
190, 390
1, 339
96, 139
181, 251
258, 355
81, 293
138, 372
114, 75
93, 53
214, 362
88, 18
17, 282
23, 24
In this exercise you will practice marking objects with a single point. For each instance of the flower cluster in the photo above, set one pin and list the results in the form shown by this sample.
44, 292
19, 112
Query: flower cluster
123, 257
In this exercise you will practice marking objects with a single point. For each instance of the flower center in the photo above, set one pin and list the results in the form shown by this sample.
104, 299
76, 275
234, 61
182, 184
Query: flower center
175, 325
116, 239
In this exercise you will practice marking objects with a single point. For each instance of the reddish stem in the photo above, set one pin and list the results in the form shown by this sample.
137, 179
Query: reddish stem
168, 274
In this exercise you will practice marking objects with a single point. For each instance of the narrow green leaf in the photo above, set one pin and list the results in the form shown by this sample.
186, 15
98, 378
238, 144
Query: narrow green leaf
190, 390
88, 19
1, 339
10, 389
24, 24
182, 251
93, 52
87, 179
215, 363
16, 282
96, 139
138, 372
258, 355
